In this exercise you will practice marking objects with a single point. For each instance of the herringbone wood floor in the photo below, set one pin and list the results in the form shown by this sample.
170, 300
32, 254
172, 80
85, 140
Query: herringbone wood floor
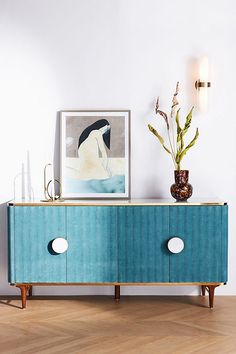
136, 325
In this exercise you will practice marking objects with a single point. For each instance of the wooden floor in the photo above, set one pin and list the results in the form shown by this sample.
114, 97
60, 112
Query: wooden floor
136, 325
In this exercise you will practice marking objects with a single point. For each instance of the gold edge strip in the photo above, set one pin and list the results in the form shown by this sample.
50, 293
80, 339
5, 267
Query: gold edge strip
117, 204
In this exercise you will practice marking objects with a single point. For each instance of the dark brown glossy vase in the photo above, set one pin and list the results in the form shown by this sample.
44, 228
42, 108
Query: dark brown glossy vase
181, 190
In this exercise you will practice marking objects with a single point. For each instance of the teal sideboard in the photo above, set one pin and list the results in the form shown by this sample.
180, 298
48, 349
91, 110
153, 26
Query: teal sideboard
118, 243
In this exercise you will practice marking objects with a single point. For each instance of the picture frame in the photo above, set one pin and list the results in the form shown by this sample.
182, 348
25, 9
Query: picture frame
95, 154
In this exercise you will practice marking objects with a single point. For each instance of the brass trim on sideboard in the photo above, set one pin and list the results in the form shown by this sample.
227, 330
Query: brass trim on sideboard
129, 202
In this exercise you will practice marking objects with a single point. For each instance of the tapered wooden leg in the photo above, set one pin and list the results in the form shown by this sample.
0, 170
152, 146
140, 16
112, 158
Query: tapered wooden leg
203, 290
24, 289
211, 290
117, 292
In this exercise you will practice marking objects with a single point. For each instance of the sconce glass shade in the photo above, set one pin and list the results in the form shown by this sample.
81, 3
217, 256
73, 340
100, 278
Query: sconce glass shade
203, 99
204, 69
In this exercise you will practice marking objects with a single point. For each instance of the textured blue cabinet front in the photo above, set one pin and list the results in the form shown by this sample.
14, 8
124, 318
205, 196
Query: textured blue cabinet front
118, 244
33, 229
204, 232
92, 238
143, 256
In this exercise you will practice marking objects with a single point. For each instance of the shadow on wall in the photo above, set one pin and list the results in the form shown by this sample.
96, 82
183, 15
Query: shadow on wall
4, 253
192, 75
56, 156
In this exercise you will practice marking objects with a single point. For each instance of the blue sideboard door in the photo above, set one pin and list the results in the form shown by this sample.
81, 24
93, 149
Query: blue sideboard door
92, 238
31, 254
204, 232
143, 256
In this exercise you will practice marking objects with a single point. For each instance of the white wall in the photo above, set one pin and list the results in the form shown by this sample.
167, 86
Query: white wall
110, 54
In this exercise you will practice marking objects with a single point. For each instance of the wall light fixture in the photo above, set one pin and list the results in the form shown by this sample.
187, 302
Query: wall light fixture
203, 83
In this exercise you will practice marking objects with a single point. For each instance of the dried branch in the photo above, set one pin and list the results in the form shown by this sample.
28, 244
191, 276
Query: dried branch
176, 143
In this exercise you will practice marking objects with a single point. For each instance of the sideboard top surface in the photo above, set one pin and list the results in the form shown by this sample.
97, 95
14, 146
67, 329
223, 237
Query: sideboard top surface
116, 202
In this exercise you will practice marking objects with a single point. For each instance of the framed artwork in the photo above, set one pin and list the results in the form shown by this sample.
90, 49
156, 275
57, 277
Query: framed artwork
95, 154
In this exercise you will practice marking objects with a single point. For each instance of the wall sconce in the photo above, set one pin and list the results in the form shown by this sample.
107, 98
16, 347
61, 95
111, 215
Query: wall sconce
203, 83
203, 73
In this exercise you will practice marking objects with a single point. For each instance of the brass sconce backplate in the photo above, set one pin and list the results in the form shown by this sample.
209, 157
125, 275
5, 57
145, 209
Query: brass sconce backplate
199, 84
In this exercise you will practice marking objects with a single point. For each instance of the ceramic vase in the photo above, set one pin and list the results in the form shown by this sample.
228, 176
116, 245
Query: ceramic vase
181, 190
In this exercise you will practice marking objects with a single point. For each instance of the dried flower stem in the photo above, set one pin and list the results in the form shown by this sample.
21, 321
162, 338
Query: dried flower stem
174, 131
174, 108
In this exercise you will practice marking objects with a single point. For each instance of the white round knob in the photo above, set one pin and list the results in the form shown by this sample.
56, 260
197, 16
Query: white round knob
59, 245
175, 245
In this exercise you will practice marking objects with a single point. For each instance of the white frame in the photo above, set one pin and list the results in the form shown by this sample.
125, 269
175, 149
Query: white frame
103, 113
